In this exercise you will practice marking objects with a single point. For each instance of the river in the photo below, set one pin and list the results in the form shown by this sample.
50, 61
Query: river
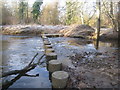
18, 51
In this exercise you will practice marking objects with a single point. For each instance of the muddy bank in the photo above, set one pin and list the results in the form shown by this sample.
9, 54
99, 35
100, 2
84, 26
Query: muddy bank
98, 72
35, 30
78, 31
75, 31
107, 34
87, 66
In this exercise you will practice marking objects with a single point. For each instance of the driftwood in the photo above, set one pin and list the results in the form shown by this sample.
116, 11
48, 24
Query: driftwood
32, 59
9, 83
31, 75
18, 71
21, 72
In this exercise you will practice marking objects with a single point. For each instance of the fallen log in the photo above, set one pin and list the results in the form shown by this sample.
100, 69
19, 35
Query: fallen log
24, 69
21, 73
9, 83
18, 71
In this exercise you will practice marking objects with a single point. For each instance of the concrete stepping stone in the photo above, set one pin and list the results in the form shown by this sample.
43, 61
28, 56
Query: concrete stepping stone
51, 56
54, 65
49, 50
59, 79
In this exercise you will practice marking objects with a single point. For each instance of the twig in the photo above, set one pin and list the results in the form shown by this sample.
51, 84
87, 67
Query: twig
32, 59
21, 72
24, 69
31, 75
40, 58
17, 71
9, 83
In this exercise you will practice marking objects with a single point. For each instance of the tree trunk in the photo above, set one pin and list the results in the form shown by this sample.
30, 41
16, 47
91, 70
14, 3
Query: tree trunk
119, 16
27, 13
98, 24
111, 7
114, 21
82, 17
119, 23
98, 21
114, 25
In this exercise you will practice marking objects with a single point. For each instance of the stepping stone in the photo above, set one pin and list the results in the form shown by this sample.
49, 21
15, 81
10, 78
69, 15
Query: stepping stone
54, 65
54, 35
50, 50
48, 46
59, 79
45, 38
51, 56
47, 43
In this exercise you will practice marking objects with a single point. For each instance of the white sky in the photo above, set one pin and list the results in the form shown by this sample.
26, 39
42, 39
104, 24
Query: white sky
62, 2
88, 8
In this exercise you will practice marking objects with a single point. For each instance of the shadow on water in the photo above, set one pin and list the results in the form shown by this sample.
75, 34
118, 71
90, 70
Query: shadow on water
37, 80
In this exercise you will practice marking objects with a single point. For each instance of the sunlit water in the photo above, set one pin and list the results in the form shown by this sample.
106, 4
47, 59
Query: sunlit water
18, 51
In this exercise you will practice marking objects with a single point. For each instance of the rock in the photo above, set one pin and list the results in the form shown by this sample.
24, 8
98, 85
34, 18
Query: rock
114, 83
82, 85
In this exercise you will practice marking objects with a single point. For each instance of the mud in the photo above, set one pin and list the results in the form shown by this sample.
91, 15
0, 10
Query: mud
87, 66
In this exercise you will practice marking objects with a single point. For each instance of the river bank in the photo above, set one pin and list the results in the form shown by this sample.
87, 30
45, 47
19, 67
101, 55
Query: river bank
87, 66
76, 31
30, 30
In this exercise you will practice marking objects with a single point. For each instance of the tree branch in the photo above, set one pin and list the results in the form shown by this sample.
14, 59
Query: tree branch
30, 65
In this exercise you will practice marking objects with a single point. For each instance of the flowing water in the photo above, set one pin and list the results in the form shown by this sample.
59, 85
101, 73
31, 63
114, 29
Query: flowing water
18, 51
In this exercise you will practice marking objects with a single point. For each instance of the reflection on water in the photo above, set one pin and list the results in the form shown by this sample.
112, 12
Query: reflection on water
109, 46
66, 47
81, 43
42, 81
17, 52
99, 44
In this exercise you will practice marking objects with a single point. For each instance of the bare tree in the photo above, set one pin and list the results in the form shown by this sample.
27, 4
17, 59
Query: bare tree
119, 17
109, 11
50, 14
98, 22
